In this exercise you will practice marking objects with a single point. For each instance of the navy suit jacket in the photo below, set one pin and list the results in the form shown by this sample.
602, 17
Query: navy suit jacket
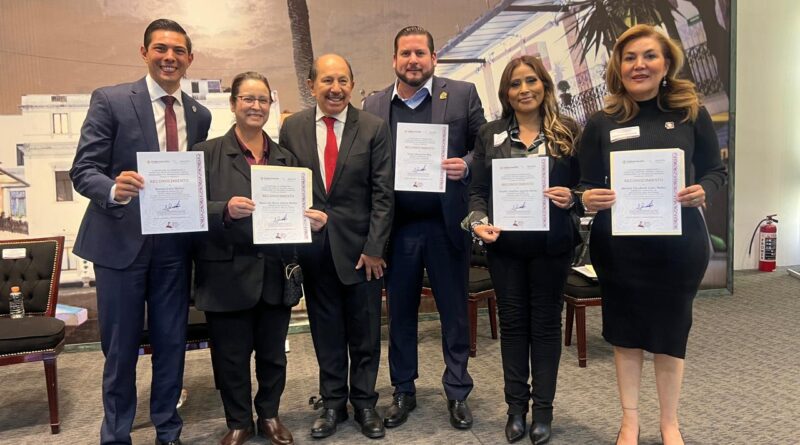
119, 123
360, 204
456, 104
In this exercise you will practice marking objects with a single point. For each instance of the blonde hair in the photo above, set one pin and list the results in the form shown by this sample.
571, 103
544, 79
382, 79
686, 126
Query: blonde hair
678, 94
556, 127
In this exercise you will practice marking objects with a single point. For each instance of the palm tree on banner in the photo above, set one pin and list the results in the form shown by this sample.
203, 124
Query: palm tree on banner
303, 51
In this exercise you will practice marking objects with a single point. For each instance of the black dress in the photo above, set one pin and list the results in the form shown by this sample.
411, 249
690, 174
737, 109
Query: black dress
649, 282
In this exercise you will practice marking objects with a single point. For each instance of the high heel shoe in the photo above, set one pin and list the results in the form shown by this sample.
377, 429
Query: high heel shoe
638, 434
680, 433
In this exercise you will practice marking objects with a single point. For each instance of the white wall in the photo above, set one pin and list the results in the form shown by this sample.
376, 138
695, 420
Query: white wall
767, 178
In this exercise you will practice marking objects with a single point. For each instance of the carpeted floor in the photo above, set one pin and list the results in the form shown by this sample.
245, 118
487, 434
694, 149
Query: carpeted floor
741, 385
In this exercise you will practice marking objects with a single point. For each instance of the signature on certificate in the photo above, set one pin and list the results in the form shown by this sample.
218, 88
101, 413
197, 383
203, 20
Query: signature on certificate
420, 169
520, 206
645, 205
281, 218
170, 206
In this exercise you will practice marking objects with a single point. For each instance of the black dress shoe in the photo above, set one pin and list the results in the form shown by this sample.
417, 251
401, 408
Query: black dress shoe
540, 433
515, 427
169, 442
326, 424
460, 415
371, 423
397, 414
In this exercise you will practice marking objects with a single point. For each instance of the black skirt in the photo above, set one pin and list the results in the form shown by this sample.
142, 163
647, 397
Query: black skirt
649, 283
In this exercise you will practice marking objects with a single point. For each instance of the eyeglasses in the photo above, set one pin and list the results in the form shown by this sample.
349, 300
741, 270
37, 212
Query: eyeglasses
250, 100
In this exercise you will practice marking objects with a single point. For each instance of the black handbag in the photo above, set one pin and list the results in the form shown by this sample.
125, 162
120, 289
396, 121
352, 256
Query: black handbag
293, 284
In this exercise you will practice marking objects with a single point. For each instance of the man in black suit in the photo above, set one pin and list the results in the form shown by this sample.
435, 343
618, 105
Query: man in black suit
135, 271
349, 152
426, 231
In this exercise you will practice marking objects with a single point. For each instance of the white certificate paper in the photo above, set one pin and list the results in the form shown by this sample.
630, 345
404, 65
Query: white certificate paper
421, 148
647, 184
281, 195
173, 199
518, 201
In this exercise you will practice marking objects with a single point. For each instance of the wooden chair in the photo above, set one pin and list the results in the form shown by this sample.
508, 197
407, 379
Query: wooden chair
579, 293
480, 288
35, 266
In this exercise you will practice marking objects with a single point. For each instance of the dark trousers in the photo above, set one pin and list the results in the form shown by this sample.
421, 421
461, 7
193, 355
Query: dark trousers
159, 280
416, 246
234, 337
529, 302
345, 321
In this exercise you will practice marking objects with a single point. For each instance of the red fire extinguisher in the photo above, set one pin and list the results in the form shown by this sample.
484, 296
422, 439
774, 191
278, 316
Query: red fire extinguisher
767, 243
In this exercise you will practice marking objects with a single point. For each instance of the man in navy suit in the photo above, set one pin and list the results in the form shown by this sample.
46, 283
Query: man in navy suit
135, 271
426, 231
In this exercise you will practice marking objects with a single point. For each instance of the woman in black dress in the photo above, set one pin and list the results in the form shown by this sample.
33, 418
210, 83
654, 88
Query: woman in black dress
528, 269
649, 282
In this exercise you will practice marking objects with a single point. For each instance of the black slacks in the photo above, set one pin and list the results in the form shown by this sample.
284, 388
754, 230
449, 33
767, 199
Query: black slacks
529, 303
345, 321
234, 337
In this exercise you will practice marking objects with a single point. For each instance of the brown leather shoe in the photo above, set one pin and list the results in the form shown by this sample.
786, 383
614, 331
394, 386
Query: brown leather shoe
275, 431
237, 437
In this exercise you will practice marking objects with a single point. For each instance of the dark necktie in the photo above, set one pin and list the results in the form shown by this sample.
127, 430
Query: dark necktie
331, 153
171, 122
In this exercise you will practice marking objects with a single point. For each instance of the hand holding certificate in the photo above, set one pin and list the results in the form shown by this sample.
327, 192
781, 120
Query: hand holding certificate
421, 148
173, 199
647, 183
281, 195
518, 198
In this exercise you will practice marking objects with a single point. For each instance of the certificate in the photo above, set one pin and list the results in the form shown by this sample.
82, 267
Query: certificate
421, 148
647, 183
173, 199
518, 201
281, 195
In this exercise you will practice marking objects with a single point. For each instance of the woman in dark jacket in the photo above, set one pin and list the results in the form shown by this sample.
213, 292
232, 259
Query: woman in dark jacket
239, 285
529, 268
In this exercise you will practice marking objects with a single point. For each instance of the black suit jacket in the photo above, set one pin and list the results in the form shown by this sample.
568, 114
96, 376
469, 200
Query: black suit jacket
119, 123
564, 171
360, 204
231, 273
456, 104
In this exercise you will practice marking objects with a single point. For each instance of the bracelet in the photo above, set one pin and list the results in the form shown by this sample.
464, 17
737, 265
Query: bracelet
583, 204
475, 238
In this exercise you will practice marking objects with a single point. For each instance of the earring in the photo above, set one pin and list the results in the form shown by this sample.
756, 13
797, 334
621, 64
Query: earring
664, 82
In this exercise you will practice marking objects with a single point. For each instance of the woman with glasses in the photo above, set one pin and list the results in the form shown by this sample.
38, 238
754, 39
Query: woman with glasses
239, 285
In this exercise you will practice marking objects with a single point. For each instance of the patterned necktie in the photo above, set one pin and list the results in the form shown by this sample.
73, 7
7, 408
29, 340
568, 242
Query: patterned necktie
331, 153
171, 122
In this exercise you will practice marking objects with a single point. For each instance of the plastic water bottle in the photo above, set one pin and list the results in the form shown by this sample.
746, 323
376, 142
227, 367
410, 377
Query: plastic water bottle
16, 308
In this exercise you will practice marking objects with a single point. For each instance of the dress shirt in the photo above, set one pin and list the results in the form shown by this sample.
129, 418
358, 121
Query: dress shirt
322, 135
416, 99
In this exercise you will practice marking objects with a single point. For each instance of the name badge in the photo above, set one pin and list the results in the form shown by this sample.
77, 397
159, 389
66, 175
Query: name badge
620, 134
14, 254
499, 138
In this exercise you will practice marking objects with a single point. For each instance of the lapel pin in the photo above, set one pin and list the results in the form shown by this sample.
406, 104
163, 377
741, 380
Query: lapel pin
194, 109
443, 96
669, 125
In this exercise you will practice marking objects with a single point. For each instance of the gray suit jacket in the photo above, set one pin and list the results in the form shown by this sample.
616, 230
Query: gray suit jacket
360, 204
456, 104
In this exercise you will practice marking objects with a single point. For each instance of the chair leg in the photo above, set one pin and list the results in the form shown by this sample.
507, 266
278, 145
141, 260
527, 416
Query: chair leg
568, 326
51, 379
492, 303
473, 327
580, 321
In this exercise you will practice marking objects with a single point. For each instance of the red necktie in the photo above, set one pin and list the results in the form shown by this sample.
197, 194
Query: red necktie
171, 122
331, 152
